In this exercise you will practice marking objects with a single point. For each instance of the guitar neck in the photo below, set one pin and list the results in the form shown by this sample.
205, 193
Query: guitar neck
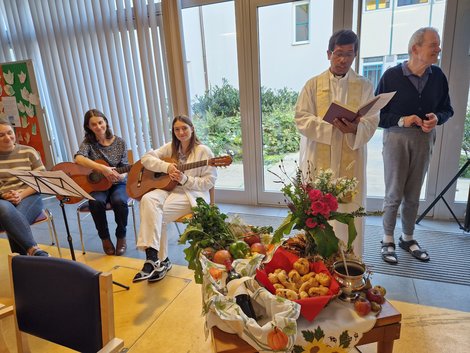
183, 167
125, 169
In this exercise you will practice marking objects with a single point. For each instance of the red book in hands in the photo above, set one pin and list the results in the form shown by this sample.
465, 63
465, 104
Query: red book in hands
372, 106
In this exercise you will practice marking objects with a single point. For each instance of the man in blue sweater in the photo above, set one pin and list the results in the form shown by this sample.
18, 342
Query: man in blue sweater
409, 120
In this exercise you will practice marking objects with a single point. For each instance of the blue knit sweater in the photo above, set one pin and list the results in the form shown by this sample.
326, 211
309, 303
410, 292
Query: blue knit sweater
408, 101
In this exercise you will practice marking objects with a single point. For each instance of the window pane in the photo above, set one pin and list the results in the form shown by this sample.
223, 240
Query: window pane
377, 4
410, 2
463, 183
386, 34
284, 69
211, 53
301, 23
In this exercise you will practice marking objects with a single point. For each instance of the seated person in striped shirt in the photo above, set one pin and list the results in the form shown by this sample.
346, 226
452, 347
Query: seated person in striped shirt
19, 204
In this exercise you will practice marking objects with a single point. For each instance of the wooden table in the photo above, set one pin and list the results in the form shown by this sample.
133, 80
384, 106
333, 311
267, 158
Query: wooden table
385, 331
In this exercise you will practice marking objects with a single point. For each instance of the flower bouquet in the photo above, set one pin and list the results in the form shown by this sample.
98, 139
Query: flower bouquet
313, 204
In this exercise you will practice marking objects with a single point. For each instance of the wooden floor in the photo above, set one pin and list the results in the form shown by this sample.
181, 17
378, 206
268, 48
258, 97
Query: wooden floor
166, 316
148, 317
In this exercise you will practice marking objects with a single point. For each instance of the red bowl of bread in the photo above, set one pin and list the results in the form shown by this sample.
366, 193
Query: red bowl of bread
308, 283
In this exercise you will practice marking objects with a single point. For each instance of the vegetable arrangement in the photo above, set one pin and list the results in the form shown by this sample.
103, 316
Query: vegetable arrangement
209, 233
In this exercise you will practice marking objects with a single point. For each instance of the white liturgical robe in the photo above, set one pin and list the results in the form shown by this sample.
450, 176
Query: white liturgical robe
323, 146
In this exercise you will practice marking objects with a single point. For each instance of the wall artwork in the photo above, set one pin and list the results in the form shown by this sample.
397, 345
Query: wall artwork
19, 102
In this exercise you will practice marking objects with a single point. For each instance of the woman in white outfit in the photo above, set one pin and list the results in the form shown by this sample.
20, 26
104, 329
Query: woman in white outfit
159, 207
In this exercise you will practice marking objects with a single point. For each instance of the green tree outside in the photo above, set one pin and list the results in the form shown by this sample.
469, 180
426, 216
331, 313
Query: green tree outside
216, 116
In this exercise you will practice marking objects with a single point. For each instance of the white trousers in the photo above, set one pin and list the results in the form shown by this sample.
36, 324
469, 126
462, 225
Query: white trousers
157, 209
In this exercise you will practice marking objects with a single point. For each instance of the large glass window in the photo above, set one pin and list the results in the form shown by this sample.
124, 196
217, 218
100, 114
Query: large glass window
211, 58
385, 34
280, 83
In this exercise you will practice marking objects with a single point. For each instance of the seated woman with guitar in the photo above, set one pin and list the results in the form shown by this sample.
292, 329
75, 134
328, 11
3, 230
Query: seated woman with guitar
20, 204
160, 207
100, 144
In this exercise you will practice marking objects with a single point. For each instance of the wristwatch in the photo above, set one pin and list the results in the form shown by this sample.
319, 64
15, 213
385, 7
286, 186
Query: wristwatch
401, 122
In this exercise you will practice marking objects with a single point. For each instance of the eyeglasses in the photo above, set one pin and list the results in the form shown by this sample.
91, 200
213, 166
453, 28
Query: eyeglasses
342, 54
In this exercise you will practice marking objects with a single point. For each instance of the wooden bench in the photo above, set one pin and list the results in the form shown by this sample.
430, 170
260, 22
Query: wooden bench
385, 331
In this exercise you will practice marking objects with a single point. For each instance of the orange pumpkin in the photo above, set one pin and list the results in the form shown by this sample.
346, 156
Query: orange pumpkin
277, 339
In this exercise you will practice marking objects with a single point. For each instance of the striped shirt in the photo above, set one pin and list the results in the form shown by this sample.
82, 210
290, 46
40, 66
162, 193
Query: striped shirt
21, 158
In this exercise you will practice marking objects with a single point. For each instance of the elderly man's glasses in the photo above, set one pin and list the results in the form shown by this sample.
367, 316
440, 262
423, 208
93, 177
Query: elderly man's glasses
342, 54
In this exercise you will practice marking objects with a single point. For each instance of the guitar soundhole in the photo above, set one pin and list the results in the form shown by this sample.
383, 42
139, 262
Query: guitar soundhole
95, 177
157, 175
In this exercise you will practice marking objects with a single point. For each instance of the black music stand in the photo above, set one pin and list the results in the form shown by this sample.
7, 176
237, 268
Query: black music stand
59, 184
465, 227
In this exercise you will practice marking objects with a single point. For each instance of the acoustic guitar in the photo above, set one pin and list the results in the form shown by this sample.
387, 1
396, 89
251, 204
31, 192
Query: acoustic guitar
88, 179
141, 180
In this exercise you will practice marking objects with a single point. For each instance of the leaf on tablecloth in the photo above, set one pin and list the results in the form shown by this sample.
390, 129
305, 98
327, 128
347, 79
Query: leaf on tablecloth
345, 339
308, 335
319, 334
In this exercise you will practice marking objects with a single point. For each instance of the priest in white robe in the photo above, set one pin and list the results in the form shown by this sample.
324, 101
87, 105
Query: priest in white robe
340, 146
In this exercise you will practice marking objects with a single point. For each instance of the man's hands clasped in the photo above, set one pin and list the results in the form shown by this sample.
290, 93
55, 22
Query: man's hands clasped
426, 125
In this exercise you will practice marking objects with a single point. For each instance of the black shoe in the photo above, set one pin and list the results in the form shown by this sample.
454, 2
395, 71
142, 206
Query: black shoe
167, 264
149, 269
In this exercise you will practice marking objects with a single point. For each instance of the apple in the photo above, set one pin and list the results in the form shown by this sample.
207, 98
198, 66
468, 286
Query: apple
208, 252
259, 248
381, 289
375, 295
362, 306
251, 237
222, 256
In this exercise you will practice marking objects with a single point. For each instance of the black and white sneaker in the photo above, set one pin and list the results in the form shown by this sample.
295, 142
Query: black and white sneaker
159, 274
167, 264
149, 269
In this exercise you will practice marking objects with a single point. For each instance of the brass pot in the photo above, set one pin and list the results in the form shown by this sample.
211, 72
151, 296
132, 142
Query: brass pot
352, 283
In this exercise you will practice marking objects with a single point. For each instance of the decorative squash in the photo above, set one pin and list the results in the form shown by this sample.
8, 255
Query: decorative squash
277, 339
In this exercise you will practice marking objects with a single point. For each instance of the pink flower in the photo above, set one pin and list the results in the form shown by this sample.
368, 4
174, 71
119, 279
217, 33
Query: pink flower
318, 207
314, 195
331, 201
311, 223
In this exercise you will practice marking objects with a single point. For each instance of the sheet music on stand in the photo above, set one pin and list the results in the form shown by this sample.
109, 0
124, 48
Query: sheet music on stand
56, 183
52, 183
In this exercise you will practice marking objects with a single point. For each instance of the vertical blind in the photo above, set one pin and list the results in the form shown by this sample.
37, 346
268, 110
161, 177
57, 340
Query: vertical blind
105, 54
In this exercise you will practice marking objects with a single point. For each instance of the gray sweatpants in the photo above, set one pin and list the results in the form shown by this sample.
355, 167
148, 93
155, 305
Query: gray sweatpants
406, 153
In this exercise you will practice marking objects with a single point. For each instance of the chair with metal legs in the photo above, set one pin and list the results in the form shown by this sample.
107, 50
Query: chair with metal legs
84, 207
46, 216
